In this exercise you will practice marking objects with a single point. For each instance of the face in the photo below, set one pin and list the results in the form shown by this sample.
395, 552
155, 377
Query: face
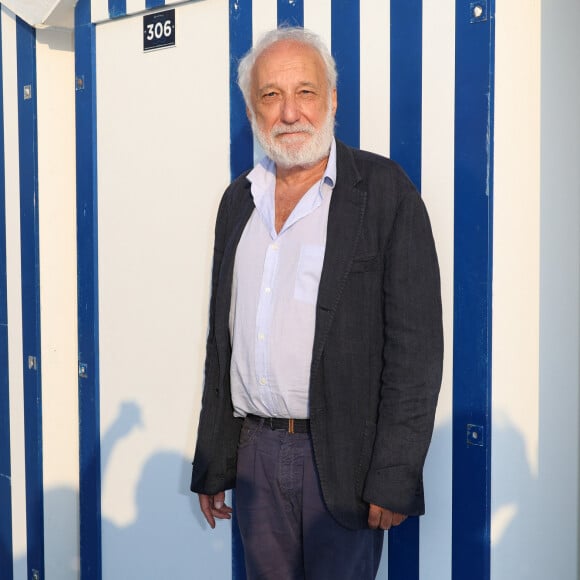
293, 108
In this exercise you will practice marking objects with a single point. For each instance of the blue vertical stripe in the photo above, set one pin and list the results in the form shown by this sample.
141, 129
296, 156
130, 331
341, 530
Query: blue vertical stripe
405, 148
241, 140
6, 555
406, 85
117, 8
290, 12
154, 3
28, 169
88, 318
241, 158
472, 291
345, 35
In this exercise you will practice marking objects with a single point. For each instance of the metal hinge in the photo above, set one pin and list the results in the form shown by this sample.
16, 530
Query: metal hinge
475, 435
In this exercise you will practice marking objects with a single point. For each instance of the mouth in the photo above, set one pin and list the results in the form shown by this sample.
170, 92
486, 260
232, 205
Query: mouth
292, 131
291, 135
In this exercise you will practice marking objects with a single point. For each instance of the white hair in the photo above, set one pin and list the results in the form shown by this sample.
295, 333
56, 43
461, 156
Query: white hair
294, 33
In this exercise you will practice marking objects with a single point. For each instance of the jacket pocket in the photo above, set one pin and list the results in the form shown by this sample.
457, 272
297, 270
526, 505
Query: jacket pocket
248, 433
365, 264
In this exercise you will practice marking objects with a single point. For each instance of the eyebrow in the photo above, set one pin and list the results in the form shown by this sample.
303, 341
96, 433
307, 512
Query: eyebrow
300, 84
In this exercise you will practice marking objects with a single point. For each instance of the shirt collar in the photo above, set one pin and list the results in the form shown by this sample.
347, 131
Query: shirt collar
263, 180
263, 175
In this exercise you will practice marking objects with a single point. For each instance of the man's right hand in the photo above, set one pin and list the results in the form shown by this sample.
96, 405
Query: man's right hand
214, 506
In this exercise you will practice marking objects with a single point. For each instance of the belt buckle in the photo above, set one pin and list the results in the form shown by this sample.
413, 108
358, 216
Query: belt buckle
290, 425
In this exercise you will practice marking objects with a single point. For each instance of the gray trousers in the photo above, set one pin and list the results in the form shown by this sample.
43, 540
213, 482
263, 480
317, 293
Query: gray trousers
286, 530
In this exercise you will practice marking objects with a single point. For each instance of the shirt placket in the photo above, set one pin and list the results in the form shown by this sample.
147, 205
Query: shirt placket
264, 318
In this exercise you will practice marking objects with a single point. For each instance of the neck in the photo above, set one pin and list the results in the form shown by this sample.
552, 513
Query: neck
294, 176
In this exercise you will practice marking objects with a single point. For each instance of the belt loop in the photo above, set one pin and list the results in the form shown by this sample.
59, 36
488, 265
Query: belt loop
290, 425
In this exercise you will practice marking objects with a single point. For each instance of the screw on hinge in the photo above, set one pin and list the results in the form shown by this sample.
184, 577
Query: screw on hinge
83, 370
32, 363
475, 435
27, 93
478, 11
35, 575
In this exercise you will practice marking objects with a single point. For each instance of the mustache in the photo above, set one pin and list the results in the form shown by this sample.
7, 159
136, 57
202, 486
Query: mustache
296, 128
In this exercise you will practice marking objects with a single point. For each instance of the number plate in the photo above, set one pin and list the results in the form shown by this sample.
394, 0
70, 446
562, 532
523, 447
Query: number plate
159, 30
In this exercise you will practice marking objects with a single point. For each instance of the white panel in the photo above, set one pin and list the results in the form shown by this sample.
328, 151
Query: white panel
99, 10
58, 285
375, 71
559, 452
14, 292
516, 546
437, 177
163, 128
317, 17
264, 17
133, 6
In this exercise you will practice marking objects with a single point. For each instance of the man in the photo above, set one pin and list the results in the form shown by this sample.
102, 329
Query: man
324, 349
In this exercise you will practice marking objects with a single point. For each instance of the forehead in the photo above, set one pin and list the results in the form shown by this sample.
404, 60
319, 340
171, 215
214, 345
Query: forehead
289, 59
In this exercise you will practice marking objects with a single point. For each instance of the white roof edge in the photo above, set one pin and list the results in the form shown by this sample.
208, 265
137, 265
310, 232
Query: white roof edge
43, 13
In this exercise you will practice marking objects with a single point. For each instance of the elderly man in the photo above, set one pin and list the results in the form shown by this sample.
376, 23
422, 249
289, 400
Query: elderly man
324, 349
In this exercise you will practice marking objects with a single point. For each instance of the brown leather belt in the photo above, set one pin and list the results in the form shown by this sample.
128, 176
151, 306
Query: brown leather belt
289, 425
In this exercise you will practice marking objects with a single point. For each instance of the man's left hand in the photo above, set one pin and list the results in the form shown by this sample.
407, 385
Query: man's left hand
383, 518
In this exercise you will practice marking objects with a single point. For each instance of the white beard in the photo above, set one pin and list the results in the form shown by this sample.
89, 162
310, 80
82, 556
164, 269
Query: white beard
288, 154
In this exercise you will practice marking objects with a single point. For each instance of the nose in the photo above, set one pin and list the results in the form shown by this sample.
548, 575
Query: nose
290, 112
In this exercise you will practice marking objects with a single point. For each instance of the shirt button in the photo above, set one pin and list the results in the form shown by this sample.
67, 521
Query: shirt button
263, 381
268, 290
261, 336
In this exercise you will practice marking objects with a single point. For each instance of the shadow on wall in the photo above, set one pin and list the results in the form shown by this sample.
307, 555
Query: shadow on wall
515, 499
169, 537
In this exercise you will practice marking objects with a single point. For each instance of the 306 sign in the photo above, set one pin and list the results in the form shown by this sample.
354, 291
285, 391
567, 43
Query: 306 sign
159, 30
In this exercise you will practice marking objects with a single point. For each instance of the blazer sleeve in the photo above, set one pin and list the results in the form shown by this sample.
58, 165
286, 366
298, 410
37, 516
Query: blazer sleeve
412, 357
205, 473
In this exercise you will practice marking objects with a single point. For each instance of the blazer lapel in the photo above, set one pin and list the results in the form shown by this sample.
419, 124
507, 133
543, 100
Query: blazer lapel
240, 213
345, 219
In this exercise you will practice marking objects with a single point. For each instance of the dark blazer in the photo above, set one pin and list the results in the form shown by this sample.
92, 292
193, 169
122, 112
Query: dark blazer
378, 346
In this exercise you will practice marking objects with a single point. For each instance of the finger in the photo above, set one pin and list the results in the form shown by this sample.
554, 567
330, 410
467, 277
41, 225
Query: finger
386, 519
374, 516
223, 514
219, 500
398, 519
206, 508
220, 509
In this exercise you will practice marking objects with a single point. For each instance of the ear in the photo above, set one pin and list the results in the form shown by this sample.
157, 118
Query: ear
249, 114
334, 101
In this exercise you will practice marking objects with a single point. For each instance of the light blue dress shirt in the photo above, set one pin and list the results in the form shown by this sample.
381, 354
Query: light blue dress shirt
274, 293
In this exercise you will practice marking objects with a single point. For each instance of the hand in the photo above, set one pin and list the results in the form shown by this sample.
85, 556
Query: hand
383, 518
214, 506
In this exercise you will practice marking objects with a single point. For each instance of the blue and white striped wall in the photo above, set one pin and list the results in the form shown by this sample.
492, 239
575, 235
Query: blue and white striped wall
398, 96
38, 409
451, 94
